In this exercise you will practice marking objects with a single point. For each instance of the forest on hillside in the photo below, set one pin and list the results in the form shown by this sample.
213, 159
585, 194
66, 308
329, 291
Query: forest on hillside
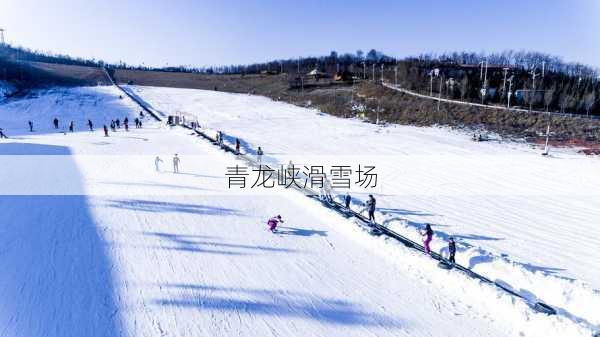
520, 78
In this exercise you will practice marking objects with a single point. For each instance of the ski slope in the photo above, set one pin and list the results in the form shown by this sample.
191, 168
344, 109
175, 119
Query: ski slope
95, 242
526, 221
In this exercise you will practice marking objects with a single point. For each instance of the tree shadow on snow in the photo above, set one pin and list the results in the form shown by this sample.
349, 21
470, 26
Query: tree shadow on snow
299, 231
274, 303
56, 273
192, 243
170, 207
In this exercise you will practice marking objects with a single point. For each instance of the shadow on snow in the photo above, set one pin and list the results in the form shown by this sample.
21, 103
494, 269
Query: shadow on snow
56, 275
274, 303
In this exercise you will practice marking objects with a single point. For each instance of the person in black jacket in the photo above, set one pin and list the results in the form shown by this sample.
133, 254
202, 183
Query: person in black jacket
371, 206
452, 249
347, 200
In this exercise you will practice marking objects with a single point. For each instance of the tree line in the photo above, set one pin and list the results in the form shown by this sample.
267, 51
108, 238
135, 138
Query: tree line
520, 78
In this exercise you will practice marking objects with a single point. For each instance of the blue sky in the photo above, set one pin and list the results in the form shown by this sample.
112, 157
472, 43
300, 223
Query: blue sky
205, 32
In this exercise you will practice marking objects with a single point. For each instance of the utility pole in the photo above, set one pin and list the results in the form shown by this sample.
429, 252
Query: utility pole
531, 96
510, 80
382, 73
481, 69
484, 77
504, 85
543, 68
396, 75
431, 83
373, 79
439, 95
364, 70
298, 65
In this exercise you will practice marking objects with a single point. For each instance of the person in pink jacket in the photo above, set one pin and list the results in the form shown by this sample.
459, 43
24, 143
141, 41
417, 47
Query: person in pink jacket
273, 222
427, 236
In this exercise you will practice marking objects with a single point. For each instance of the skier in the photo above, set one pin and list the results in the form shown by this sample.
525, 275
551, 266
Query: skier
273, 222
30, 126
118, 123
137, 123
113, 126
126, 126
140, 123
55, 123
141, 114
452, 249
105, 131
327, 187
259, 154
220, 138
2, 135
157, 161
71, 126
90, 125
347, 200
237, 146
175, 164
371, 203
126, 120
427, 236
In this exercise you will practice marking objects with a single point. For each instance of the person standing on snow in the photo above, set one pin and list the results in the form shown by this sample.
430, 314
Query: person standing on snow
55, 122
126, 123
237, 146
259, 154
175, 164
451, 249
30, 126
347, 200
157, 161
273, 222
71, 126
371, 206
90, 125
427, 237
105, 131
2, 135
118, 123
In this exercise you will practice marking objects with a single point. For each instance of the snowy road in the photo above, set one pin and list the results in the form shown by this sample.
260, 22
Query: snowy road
122, 250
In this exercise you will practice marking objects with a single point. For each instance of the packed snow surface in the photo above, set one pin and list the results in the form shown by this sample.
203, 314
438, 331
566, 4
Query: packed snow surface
95, 242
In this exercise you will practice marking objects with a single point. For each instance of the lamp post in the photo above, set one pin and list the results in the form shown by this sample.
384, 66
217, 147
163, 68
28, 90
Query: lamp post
510, 82
373, 78
439, 95
532, 95
431, 83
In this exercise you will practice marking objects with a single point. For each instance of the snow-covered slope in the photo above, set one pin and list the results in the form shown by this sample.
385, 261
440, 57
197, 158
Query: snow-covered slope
526, 221
95, 242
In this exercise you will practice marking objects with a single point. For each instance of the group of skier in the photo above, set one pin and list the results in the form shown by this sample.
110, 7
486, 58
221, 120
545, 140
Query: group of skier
114, 125
176, 161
